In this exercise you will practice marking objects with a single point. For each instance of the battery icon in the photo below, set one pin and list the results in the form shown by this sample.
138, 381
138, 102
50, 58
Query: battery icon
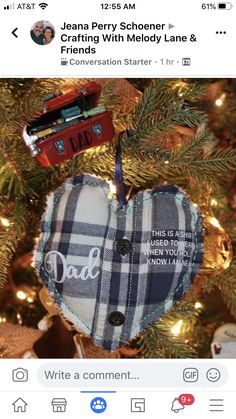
225, 6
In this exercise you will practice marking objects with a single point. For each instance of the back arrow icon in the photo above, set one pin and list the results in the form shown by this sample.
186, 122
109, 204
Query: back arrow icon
14, 32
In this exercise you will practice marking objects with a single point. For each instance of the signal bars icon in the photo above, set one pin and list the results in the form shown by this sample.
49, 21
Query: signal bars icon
9, 7
43, 5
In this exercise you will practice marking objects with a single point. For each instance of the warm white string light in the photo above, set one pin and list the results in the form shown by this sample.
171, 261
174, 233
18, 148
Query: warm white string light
176, 329
5, 222
21, 295
198, 305
214, 202
220, 100
215, 222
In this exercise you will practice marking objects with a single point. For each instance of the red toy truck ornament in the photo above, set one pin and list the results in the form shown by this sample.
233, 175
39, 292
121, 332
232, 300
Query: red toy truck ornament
70, 123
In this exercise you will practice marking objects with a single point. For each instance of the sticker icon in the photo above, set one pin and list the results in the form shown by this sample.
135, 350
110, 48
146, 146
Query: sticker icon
213, 375
98, 405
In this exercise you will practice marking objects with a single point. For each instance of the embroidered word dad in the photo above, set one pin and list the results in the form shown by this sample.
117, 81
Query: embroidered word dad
53, 259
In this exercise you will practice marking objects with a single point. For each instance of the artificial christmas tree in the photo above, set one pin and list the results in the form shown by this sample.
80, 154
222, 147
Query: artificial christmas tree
165, 138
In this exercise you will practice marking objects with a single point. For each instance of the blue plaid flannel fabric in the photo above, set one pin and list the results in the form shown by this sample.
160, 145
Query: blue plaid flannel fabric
114, 271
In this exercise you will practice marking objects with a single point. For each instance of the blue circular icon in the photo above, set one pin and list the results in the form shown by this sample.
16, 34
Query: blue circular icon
98, 405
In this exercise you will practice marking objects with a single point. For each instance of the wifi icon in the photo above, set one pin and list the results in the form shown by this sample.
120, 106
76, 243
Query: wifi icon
43, 5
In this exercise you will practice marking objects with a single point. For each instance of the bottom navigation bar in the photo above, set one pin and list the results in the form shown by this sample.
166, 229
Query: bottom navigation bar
116, 404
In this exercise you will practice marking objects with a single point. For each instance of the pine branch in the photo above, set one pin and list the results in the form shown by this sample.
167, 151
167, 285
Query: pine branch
208, 170
148, 104
154, 342
189, 92
225, 279
25, 97
189, 117
160, 109
140, 166
192, 146
226, 283
14, 163
157, 339
157, 125
230, 226
108, 96
9, 239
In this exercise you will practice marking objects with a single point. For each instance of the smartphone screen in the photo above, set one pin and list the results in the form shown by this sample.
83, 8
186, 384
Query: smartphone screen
117, 209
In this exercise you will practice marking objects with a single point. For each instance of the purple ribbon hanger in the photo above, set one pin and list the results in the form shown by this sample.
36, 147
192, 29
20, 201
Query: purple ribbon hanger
119, 183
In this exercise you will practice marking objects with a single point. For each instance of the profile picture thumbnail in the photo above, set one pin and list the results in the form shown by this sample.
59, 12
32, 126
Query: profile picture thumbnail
42, 32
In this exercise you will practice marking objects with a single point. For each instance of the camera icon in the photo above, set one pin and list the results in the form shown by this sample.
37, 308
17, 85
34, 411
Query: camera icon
20, 375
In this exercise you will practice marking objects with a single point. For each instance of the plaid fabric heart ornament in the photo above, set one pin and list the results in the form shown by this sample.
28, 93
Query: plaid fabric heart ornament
112, 271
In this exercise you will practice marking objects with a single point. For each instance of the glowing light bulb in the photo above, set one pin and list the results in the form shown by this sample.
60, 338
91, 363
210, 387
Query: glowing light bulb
21, 295
30, 300
215, 222
3, 319
180, 83
214, 202
176, 329
5, 222
220, 101
36, 240
198, 305
18, 316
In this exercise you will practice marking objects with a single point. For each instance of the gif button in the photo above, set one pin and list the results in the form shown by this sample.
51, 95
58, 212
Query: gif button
190, 375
